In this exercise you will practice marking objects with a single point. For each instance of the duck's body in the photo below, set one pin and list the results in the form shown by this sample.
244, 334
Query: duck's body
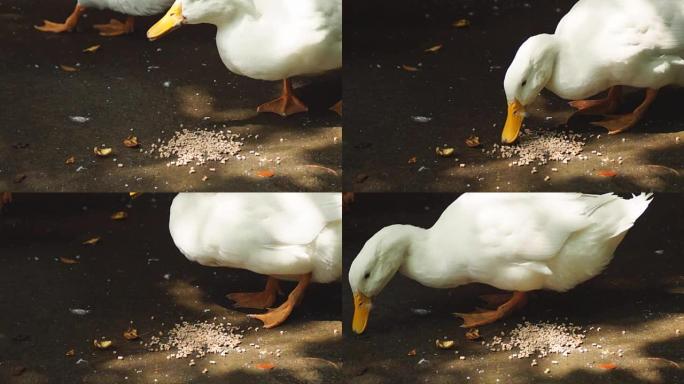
283, 39
600, 45
604, 43
268, 39
131, 8
516, 242
281, 235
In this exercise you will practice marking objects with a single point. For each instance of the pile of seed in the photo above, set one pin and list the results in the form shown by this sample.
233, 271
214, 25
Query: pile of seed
197, 339
198, 147
542, 147
540, 339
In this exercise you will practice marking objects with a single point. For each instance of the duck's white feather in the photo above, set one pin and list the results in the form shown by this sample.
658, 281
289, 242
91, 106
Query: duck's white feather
638, 43
130, 7
282, 39
268, 233
523, 241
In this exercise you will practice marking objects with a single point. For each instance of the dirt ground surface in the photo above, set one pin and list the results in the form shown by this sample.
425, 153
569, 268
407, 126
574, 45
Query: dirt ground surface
121, 280
460, 88
637, 303
121, 88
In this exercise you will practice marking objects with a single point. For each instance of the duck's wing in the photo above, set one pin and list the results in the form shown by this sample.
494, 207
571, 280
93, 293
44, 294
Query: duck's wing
523, 228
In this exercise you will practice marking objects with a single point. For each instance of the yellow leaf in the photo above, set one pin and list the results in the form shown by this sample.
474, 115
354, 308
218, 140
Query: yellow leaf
67, 68
102, 344
131, 142
473, 141
444, 344
92, 241
91, 49
461, 23
102, 152
445, 151
409, 68
434, 49
131, 334
121, 215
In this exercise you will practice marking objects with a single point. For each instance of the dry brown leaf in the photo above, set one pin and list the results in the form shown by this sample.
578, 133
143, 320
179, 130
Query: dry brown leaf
19, 178
412, 160
92, 49
434, 49
607, 173
17, 370
131, 142
70, 160
68, 68
445, 151
70, 353
92, 241
67, 260
472, 334
265, 366
608, 366
121, 215
461, 23
411, 353
409, 68
472, 141
444, 344
266, 173
134, 195
360, 178
102, 344
102, 152
131, 334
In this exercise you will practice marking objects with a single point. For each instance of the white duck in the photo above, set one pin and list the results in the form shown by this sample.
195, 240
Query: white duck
517, 242
291, 236
268, 39
600, 44
115, 27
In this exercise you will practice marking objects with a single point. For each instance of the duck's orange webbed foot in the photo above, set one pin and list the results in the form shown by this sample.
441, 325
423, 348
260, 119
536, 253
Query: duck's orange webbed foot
116, 28
66, 26
621, 123
257, 300
277, 316
287, 104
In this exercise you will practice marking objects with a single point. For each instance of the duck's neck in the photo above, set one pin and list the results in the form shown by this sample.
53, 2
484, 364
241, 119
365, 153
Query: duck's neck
431, 266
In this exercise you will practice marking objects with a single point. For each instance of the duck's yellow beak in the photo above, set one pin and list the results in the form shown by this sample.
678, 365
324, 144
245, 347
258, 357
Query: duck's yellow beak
172, 20
362, 306
516, 114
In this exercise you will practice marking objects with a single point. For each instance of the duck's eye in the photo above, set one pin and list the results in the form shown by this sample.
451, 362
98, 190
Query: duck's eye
524, 83
367, 275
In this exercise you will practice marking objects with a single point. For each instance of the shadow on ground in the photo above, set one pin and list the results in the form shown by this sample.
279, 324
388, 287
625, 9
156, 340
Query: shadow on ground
135, 275
636, 303
460, 87
121, 88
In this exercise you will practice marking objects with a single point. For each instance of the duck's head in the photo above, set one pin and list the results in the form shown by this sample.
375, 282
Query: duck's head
376, 264
526, 77
215, 12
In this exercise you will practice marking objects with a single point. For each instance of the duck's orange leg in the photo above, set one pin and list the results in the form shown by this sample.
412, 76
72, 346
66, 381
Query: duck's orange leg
259, 300
116, 28
470, 320
277, 316
67, 26
287, 104
608, 104
621, 123
5, 198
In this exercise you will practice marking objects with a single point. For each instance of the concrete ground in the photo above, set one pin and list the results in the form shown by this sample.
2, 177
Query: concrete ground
121, 280
121, 89
637, 303
460, 87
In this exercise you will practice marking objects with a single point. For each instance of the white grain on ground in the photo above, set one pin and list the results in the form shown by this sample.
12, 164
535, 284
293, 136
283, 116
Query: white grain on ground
197, 339
198, 147
541, 339
542, 147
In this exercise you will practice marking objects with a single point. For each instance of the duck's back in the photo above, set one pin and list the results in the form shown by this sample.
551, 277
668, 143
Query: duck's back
637, 43
130, 7
532, 241
267, 233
